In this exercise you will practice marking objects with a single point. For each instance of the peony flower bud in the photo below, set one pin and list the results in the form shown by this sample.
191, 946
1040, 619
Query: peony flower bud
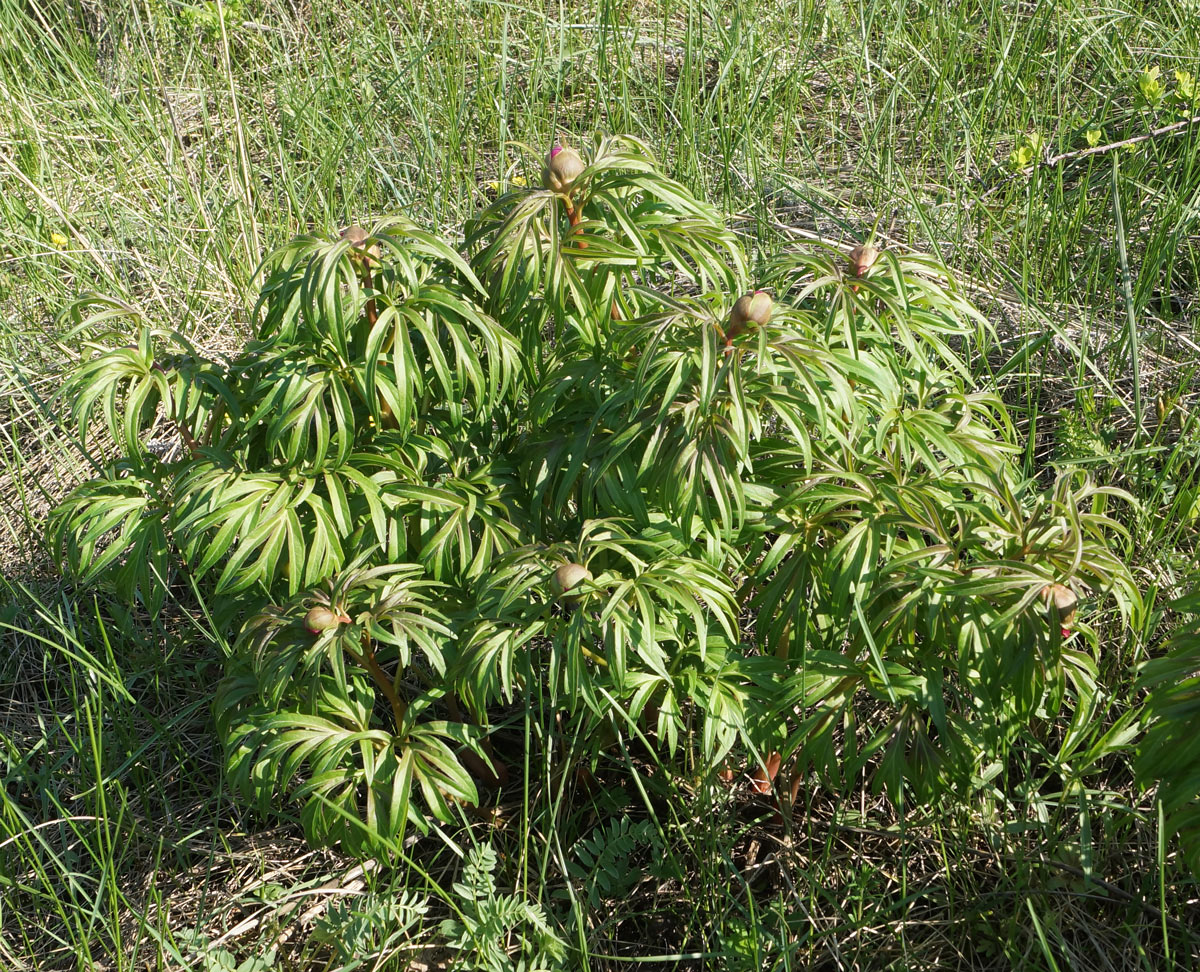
567, 578
562, 169
752, 308
357, 237
321, 618
749, 309
862, 258
1065, 601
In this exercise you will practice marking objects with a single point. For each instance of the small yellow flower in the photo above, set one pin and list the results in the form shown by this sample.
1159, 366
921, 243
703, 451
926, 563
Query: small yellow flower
58, 241
517, 180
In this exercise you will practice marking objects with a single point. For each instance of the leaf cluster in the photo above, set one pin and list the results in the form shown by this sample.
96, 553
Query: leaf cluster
783, 525
488, 921
1169, 752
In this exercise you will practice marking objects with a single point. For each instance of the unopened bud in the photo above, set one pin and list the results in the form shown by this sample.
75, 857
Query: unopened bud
357, 237
750, 309
562, 169
862, 258
321, 618
1064, 601
566, 578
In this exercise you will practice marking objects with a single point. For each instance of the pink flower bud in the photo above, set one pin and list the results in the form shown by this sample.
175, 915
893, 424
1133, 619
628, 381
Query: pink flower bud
562, 169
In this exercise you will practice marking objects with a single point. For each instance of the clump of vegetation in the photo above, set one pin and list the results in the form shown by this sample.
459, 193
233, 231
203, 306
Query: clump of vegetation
593, 463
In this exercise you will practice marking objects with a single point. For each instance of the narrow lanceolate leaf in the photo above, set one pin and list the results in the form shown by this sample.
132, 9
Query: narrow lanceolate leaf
113, 530
124, 385
253, 524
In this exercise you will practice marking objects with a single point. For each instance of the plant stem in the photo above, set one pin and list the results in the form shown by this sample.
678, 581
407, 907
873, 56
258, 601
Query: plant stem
188, 439
214, 419
185, 433
181, 426
372, 316
574, 217
368, 661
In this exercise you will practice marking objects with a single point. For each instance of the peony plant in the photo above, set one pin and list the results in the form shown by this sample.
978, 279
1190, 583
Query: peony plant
586, 460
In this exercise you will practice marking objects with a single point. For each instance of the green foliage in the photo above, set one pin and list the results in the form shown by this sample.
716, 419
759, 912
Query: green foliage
1155, 92
214, 959
163, 194
1169, 752
610, 862
1185, 90
782, 520
1152, 94
209, 16
1151, 87
296, 699
361, 927
490, 922
1029, 149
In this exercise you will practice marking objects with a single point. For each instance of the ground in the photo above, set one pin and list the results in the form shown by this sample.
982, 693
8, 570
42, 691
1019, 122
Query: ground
155, 151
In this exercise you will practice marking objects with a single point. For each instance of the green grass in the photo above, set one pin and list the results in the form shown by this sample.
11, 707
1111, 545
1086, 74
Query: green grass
148, 152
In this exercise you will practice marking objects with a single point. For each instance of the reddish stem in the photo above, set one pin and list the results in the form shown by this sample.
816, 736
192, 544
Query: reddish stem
368, 661
764, 776
574, 217
189, 440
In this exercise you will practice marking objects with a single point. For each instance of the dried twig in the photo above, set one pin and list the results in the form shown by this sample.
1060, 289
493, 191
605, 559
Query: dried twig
1099, 149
